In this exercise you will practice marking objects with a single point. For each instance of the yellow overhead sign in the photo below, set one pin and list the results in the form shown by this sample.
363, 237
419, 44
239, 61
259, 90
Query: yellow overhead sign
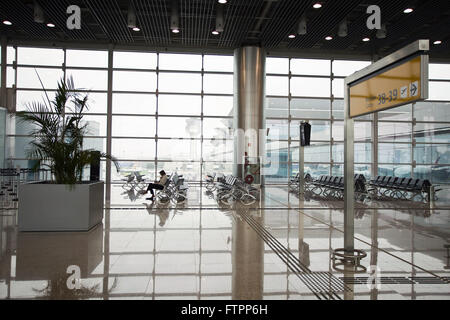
397, 86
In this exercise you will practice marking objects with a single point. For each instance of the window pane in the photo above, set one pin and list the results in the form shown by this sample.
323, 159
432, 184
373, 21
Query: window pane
10, 55
218, 150
25, 97
394, 153
395, 132
310, 87
432, 132
311, 67
87, 58
338, 88
134, 81
134, 103
436, 174
179, 105
190, 171
218, 63
217, 167
439, 71
135, 60
27, 78
40, 56
432, 111
363, 153
218, 106
277, 65
168, 61
362, 131
10, 77
180, 82
89, 79
215, 83
96, 103
439, 91
402, 113
96, 125
310, 108
175, 127
344, 68
320, 130
218, 128
401, 171
277, 86
139, 149
277, 108
128, 126
179, 149
98, 144
432, 154
278, 129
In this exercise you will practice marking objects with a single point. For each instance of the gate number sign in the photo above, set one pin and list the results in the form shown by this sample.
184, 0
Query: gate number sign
397, 86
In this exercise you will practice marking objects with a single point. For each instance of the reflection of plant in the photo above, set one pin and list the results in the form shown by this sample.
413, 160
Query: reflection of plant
59, 133
57, 289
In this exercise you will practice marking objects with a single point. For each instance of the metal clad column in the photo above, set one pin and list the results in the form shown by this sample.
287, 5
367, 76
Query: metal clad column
249, 99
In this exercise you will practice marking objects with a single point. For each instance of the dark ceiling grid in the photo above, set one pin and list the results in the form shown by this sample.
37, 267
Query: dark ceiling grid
284, 19
331, 15
239, 18
408, 28
109, 15
358, 28
150, 15
56, 12
22, 17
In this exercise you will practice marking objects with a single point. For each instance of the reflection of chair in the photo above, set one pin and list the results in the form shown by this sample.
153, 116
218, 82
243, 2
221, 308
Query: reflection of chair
128, 185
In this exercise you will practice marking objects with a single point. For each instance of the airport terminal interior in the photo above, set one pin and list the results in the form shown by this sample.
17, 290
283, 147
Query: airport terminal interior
169, 84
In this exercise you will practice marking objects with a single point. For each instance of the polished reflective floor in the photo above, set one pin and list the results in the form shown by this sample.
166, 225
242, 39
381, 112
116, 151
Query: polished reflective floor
279, 248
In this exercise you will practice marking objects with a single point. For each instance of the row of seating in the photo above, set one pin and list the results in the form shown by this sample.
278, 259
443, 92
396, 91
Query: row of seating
294, 182
400, 188
175, 190
333, 186
230, 189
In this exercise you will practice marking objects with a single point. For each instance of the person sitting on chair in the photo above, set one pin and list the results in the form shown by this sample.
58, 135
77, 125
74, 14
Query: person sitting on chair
158, 185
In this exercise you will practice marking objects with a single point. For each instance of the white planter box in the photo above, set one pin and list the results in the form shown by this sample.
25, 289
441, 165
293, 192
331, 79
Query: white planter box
56, 207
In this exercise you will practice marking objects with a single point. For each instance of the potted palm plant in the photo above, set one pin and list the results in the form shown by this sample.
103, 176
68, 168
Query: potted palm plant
66, 203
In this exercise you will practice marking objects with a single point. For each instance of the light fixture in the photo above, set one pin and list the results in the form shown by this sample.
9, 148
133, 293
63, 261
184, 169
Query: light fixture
8, 23
291, 36
131, 17
219, 19
175, 17
38, 13
329, 38
136, 29
317, 5
223, 1
381, 33
366, 39
343, 29
437, 42
408, 10
302, 26
50, 25
215, 32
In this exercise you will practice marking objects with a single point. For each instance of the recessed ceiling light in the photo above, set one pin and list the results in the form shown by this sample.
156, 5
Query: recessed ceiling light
437, 42
317, 5
222, 1
8, 23
215, 32
329, 38
291, 36
366, 39
176, 30
136, 29
50, 25
408, 10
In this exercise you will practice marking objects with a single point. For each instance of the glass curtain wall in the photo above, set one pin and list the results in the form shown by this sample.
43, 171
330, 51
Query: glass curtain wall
174, 112
169, 111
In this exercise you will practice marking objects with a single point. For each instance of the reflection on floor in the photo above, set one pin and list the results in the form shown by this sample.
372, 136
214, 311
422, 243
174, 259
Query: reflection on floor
279, 248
